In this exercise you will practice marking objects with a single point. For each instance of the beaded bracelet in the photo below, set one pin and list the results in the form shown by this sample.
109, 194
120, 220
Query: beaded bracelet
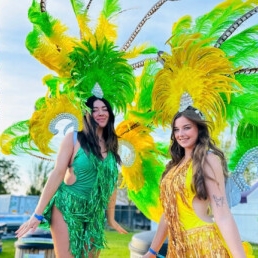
38, 217
155, 253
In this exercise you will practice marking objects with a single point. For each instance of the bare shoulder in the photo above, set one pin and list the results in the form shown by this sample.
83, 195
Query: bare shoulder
212, 158
67, 140
213, 165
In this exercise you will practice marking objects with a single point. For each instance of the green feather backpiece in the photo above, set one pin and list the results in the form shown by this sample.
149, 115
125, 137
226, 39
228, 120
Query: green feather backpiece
247, 139
16, 139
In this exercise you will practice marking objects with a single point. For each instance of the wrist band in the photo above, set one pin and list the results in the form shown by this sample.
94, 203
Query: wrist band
38, 217
155, 253
152, 251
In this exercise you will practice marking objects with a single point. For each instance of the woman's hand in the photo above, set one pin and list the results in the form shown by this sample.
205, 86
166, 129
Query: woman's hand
111, 215
113, 224
29, 226
149, 255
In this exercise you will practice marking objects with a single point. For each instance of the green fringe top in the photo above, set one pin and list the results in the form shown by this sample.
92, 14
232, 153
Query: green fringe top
85, 213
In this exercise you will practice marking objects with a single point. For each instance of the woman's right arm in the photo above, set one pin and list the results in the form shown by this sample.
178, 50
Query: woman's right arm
55, 178
159, 238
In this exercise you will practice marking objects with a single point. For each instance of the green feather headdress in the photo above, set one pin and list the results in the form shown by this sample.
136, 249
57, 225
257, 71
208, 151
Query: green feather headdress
79, 64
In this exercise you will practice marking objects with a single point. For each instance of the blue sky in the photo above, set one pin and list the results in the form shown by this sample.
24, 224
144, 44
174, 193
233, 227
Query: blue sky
21, 74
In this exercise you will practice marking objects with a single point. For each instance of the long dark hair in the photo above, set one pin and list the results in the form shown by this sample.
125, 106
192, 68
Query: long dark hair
204, 144
88, 137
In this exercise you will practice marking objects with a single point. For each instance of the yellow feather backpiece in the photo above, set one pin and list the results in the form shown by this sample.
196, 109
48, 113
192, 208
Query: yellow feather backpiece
200, 70
141, 168
42, 123
137, 140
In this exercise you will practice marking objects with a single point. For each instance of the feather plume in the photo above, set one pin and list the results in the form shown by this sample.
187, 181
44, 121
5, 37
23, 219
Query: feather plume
132, 177
105, 65
247, 138
203, 72
48, 42
142, 168
45, 119
139, 50
147, 198
243, 47
215, 22
82, 17
15, 138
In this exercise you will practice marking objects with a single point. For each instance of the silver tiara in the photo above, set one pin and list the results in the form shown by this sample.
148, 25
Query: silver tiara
97, 91
185, 101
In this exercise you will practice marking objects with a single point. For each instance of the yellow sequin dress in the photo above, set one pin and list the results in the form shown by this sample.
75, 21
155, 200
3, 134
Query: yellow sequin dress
189, 236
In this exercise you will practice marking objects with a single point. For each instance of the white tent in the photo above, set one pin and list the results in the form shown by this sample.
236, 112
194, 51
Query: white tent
246, 215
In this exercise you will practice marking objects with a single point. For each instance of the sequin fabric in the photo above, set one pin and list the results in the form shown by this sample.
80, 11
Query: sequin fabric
83, 204
188, 235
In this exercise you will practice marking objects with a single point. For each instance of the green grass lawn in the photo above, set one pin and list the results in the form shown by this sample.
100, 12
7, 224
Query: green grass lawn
118, 246
117, 243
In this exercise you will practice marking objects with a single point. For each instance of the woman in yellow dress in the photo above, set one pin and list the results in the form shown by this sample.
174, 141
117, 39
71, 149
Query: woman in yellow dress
197, 219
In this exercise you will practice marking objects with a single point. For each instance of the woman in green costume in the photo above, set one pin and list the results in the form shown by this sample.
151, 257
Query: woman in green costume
74, 200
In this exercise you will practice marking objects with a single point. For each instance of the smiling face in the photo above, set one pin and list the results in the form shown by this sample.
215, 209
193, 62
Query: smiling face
185, 132
100, 113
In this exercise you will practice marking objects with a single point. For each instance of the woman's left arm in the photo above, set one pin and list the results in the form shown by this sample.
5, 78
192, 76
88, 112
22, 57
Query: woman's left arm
215, 185
111, 214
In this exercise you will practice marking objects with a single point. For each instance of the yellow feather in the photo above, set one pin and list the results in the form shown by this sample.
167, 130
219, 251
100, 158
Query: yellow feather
200, 70
106, 29
138, 137
135, 51
85, 30
41, 119
6, 143
53, 52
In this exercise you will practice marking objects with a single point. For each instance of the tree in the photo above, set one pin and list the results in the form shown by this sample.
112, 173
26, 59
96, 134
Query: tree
39, 177
9, 178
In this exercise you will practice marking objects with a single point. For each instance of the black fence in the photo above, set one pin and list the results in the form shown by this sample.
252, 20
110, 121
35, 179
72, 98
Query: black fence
131, 217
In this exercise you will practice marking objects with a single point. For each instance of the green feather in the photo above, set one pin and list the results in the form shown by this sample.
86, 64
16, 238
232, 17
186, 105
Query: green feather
148, 196
110, 8
149, 50
247, 138
20, 139
145, 118
78, 7
146, 84
214, 23
243, 47
243, 107
248, 81
42, 21
183, 26
104, 64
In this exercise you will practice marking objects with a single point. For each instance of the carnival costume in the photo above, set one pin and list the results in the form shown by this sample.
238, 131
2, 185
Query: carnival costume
206, 71
207, 63
83, 203
189, 236
213, 67
89, 65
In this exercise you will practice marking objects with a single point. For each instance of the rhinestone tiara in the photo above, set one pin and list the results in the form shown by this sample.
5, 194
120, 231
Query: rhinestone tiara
97, 91
185, 101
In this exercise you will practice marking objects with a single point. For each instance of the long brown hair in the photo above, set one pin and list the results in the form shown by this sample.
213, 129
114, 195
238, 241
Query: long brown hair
204, 144
88, 137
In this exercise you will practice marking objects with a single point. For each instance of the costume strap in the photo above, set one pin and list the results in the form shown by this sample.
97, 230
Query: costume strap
75, 133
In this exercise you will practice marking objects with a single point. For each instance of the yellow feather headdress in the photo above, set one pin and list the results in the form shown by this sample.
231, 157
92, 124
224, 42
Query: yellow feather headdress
201, 71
